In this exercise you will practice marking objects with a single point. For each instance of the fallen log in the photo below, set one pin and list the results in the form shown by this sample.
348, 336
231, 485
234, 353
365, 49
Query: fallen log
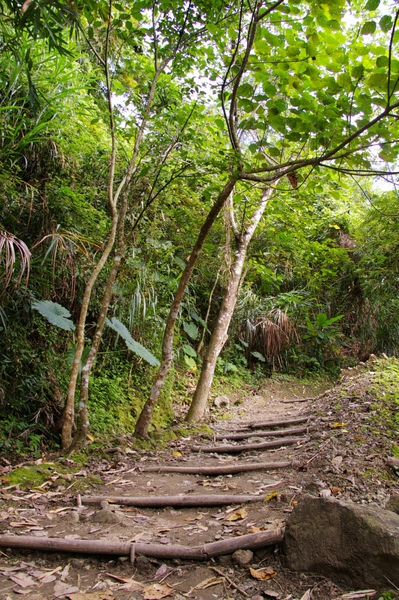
248, 434
231, 448
223, 469
278, 423
245, 542
393, 462
174, 501
297, 400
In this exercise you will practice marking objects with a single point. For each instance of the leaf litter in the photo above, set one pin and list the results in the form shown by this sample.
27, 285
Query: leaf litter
336, 463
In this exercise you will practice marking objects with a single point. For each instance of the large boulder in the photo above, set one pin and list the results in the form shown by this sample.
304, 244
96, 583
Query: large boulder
350, 543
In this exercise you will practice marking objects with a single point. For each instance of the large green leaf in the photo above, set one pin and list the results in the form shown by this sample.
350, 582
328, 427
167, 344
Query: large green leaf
134, 346
191, 329
55, 314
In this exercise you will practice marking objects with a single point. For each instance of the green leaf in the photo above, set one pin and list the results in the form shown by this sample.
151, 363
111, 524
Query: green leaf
357, 71
199, 319
321, 319
228, 366
190, 362
191, 329
55, 314
134, 346
259, 356
368, 28
189, 350
382, 61
344, 80
245, 90
70, 356
386, 23
377, 80
372, 5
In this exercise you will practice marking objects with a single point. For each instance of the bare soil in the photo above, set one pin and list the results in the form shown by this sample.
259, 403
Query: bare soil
341, 454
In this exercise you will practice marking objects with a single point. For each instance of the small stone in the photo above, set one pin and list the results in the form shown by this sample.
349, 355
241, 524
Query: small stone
222, 401
107, 515
142, 563
325, 493
337, 461
243, 558
393, 503
225, 560
72, 517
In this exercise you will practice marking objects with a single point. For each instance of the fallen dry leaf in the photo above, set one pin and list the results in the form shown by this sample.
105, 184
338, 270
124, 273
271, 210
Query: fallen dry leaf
105, 595
157, 591
359, 595
124, 579
64, 589
254, 529
338, 425
263, 574
237, 515
203, 585
307, 595
270, 496
22, 580
161, 572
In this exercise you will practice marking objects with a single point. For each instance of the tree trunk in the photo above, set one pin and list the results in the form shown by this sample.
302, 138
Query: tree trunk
83, 423
83, 413
145, 417
219, 335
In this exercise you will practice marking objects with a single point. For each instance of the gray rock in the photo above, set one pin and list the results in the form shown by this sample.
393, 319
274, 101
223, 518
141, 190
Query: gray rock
222, 401
393, 503
243, 558
353, 544
72, 517
107, 515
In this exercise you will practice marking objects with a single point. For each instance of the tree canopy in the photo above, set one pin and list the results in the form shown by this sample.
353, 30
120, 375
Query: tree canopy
127, 128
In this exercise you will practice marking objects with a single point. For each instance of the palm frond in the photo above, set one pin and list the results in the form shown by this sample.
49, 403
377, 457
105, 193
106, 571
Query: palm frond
12, 249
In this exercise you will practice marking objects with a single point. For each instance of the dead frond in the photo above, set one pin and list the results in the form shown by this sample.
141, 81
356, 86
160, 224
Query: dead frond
12, 249
270, 335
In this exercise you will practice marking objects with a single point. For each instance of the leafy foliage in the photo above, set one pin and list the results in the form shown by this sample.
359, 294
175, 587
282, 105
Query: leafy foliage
134, 346
319, 82
55, 314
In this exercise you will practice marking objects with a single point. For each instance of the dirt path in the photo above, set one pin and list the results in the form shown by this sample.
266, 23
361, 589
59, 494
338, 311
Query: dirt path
52, 511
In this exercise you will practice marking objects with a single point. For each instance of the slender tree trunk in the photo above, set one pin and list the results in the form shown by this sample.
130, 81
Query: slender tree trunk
69, 409
145, 416
219, 335
83, 422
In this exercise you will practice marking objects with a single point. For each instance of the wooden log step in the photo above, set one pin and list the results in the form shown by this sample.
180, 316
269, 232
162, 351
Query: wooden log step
233, 448
277, 423
297, 400
223, 469
251, 541
185, 501
248, 434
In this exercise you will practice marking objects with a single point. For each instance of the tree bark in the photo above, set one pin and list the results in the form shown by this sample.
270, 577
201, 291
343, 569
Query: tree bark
145, 416
219, 335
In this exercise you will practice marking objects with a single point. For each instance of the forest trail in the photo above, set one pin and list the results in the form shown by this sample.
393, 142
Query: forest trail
296, 460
